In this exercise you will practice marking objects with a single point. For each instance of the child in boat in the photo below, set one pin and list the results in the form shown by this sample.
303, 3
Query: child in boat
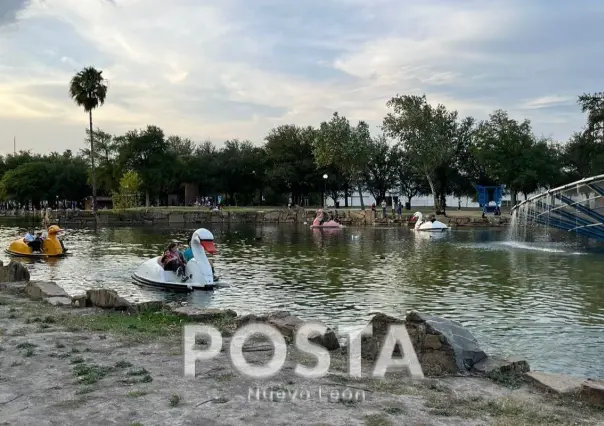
172, 261
37, 245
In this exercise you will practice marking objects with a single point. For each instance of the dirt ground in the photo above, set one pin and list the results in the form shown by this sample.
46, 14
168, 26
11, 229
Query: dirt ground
62, 366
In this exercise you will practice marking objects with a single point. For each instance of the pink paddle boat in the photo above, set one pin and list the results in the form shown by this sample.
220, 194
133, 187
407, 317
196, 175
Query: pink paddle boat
318, 222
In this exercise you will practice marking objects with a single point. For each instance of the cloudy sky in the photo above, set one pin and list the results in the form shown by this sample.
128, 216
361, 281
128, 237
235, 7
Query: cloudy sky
220, 69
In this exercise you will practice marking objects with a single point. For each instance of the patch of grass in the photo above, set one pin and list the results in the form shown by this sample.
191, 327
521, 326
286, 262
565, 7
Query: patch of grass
11, 316
137, 372
511, 381
90, 374
220, 400
85, 390
137, 379
16, 364
224, 377
136, 394
505, 411
49, 319
43, 326
395, 411
26, 345
137, 327
75, 351
28, 352
377, 420
123, 364
59, 345
174, 400
77, 360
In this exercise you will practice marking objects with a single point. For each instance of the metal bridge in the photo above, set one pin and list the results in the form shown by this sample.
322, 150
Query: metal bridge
577, 207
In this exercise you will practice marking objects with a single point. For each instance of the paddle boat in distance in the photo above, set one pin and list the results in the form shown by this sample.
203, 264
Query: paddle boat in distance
199, 270
432, 225
330, 224
52, 246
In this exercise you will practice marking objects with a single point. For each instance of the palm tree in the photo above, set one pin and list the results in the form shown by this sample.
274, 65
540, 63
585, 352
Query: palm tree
88, 89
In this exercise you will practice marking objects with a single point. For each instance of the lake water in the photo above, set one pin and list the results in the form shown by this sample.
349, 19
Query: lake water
542, 300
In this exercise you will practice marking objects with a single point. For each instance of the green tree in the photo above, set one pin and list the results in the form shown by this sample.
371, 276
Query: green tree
380, 174
290, 165
340, 145
426, 133
593, 105
127, 196
583, 156
504, 148
147, 153
106, 156
28, 182
239, 170
88, 89
411, 183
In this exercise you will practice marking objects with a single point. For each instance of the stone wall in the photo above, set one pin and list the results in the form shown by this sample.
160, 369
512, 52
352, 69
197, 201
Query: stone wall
189, 216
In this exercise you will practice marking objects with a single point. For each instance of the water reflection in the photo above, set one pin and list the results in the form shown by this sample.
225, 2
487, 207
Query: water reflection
531, 299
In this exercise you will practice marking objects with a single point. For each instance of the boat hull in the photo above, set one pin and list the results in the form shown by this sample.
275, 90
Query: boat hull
35, 255
433, 229
152, 274
179, 287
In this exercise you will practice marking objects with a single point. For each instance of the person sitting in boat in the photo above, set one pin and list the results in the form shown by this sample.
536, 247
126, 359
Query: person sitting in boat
172, 261
37, 244
28, 237
186, 253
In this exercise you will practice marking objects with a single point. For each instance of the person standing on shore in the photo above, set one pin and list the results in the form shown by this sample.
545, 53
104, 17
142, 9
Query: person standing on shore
384, 205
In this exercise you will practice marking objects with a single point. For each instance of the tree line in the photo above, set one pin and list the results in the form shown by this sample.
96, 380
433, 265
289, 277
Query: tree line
422, 149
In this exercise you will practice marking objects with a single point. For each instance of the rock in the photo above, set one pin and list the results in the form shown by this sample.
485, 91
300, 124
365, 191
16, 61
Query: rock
556, 383
106, 299
44, 290
380, 324
149, 306
13, 272
58, 301
16, 287
289, 325
497, 366
246, 319
592, 391
204, 314
442, 346
79, 300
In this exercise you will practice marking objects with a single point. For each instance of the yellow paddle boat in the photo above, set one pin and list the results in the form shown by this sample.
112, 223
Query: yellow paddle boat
51, 246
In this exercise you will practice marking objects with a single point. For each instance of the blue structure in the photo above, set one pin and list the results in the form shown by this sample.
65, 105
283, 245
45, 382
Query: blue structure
486, 194
577, 207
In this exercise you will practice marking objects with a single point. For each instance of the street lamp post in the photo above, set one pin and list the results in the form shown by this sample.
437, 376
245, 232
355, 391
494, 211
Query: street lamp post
325, 190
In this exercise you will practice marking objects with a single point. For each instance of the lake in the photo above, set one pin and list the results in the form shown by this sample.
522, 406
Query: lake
542, 299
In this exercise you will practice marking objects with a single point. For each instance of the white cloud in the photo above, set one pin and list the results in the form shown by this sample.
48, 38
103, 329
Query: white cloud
226, 69
548, 101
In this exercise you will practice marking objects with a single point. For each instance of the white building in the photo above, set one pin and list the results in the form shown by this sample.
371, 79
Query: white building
419, 201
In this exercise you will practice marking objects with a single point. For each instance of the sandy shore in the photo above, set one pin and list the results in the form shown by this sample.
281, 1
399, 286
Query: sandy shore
84, 366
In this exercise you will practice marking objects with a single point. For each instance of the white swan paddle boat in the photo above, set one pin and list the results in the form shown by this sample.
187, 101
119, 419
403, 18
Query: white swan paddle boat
198, 269
428, 225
